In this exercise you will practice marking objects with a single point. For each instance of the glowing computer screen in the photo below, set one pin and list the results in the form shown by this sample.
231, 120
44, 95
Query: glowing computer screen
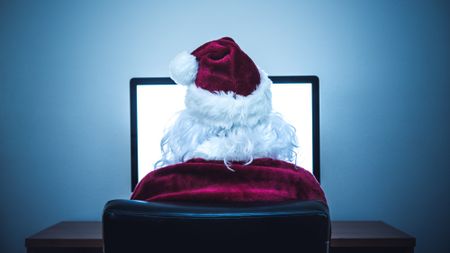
155, 103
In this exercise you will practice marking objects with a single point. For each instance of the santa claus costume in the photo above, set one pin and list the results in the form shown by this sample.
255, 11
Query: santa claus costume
227, 145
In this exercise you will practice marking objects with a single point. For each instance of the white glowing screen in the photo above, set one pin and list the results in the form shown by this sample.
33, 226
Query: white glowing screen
158, 105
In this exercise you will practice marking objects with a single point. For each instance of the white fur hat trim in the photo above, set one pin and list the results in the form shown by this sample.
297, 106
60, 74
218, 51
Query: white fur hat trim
225, 109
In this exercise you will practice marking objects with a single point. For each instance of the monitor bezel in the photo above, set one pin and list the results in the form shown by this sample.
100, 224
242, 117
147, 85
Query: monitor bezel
134, 82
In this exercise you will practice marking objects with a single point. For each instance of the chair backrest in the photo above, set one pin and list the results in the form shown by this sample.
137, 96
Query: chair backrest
136, 226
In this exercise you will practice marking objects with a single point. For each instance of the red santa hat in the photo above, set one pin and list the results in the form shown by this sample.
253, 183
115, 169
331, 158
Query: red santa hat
225, 87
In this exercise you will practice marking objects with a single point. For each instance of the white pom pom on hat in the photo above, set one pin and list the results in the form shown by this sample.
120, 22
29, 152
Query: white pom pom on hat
183, 68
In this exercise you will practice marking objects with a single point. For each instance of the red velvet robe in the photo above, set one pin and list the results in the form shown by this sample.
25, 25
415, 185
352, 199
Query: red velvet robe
198, 180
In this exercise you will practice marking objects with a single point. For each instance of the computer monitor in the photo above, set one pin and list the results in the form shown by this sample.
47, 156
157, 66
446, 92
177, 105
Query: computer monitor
154, 104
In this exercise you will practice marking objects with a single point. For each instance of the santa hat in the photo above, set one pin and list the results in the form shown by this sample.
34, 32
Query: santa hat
225, 87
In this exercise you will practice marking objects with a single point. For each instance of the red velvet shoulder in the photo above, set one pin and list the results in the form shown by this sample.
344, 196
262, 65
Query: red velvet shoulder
264, 180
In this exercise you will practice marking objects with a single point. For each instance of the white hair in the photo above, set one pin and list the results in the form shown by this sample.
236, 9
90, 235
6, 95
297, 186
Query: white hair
190, 137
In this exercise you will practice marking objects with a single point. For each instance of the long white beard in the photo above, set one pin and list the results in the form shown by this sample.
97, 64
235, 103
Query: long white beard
189, 137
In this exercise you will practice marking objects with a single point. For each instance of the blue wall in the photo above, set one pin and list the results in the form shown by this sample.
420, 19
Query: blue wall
385, 104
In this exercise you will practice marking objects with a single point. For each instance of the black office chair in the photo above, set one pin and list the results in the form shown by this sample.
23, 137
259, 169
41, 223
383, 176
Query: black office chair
137, 226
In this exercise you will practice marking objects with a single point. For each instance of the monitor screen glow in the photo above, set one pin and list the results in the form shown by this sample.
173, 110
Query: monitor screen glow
155, 105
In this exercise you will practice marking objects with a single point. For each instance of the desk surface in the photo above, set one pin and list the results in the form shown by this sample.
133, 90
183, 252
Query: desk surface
344, 234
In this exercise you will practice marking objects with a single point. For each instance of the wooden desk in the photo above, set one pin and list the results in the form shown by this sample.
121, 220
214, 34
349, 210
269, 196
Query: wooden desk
346, 236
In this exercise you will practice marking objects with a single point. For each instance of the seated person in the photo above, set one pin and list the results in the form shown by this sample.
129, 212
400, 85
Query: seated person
227, 145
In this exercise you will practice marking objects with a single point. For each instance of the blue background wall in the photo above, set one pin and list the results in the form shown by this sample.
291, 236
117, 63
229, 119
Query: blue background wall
385, 107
